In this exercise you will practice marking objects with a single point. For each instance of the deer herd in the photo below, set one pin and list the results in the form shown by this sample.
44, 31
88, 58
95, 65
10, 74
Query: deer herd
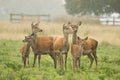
58, 47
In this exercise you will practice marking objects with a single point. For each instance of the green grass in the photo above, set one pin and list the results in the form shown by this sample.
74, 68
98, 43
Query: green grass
11, 67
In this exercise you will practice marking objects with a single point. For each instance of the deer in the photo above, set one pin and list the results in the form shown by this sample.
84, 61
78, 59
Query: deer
25, 49
61, 45
75, 28
83, 47
41, 45
91, 44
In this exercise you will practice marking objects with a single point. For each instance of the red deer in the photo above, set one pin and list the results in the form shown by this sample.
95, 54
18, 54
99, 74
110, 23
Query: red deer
35, 27
91, 44
84, 47
25, 51
61, 45
75, 28
41, 45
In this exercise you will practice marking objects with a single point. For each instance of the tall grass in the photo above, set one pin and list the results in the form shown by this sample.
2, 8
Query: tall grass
102, 33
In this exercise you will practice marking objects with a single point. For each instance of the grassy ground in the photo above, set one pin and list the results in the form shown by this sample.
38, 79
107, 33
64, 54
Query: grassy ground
11, 67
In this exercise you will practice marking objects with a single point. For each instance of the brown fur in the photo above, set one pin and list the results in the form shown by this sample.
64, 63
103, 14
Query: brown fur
25, 51
41, 45
35, 27
59, 51
89, 49
61, 45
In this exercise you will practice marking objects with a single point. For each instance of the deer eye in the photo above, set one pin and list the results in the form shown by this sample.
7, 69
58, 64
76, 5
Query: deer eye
67, 28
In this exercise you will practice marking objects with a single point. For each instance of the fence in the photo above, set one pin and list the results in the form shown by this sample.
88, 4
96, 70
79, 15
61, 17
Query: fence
21, 17
110, 20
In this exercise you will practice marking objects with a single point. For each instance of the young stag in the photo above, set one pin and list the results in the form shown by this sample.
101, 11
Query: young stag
25, 51
85, 46
41, 45
61, 45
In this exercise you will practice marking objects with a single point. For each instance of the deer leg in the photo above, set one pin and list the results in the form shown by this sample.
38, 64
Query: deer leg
79, 62
24, 62
66, 61
74, 64
55, 61
39, 57
28, 60
35, 56
53, 56
91, 60
61, 61
95, 56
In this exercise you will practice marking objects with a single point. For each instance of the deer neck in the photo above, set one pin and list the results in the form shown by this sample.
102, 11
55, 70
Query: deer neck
80, 51
27, 49
34, 42
65, 41
28, 46
74, 38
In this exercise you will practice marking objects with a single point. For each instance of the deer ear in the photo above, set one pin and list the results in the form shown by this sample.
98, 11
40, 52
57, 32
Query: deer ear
25, 36
32, 34
86, 38
79, 23
38, 22
69, 22
32, 25
78, 38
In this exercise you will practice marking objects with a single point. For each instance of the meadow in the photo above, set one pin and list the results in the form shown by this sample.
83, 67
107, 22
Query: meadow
11, 66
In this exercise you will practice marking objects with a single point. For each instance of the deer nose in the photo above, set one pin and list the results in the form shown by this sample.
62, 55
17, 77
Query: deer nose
41, 30
23, 40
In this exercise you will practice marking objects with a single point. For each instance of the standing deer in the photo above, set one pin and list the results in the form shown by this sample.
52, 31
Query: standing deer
84, 47
75, 28
61, 45
91, 44
25, 49
41, 45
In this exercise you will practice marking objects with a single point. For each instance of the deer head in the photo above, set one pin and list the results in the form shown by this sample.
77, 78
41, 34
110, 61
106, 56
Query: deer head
30, 38
35, 27
67, 28
76, 26
82, 42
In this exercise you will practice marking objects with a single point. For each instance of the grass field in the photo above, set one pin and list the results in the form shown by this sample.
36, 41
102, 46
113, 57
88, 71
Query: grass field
11, 67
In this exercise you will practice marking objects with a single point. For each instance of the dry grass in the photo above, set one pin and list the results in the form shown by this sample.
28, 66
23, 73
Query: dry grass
17, 31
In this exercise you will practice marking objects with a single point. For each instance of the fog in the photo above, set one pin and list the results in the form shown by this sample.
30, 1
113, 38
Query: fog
52, 7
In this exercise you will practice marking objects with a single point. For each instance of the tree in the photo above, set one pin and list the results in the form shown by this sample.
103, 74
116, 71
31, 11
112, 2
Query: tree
96, 7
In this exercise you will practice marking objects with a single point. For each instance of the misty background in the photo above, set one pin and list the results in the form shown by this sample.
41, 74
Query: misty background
53, 7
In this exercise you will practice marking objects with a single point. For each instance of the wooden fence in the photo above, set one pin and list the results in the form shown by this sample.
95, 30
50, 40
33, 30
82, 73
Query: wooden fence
21, 17
110, 20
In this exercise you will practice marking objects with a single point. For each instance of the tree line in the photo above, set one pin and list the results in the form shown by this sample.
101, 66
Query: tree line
96, 7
